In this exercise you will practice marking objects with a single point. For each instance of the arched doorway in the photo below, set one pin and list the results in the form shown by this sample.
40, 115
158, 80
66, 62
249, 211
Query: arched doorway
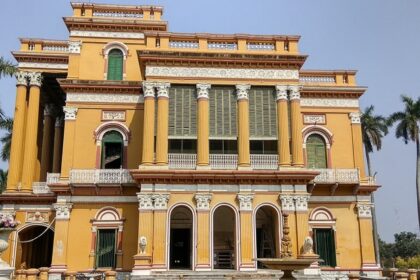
267, 231
224, 238
181, 238
37, 253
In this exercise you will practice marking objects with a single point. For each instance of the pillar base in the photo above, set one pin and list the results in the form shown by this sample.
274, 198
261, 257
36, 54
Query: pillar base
202, 267
56, 272
203, 167
153, 167
246, 167
5, 271
142, 265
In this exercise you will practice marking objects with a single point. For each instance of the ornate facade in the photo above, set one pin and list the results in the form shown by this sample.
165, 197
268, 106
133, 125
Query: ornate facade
144, 150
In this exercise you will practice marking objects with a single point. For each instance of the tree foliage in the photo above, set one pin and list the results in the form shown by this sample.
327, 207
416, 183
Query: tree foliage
3, 180
403, 253
7, 68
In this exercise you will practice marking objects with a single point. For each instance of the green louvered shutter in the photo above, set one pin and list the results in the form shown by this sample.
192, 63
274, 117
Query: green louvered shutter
105, 248
316, 152
223, 112
262, 113
325, 246
115, 65
182, 111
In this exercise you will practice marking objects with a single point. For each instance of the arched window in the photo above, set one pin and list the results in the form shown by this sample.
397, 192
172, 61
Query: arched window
115, 65
112, 150
316, 151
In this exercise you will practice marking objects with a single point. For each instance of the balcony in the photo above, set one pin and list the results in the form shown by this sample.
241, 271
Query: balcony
101, 176
341, 176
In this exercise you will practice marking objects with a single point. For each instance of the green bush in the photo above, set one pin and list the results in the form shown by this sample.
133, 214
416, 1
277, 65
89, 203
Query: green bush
413, 262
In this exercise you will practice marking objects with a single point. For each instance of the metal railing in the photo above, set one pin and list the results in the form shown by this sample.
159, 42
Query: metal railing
100, 176
342, 176
182, 161
183, 44
40, 188
317, 79
53, 178
264, 161
222, 161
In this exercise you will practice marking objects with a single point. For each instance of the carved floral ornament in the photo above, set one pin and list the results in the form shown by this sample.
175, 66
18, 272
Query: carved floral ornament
294, 202
62, 210
70, 113
33, 78
203, 91
161, 88
203, 201
152, 201
364, 209
245, 202
355, 117
242, 91
74, 46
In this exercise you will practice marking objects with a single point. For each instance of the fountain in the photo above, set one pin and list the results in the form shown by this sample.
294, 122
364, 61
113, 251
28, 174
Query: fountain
287, 263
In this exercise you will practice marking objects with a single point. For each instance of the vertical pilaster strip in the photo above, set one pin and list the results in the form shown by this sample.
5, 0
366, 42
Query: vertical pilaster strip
364, 212
148, 123
244, 160
162, 123
283, 145
17, 148
203, 124
70, 114
246, 241
296, 125
46, 142
160, 203
31, 136
59, 257
302, 223
356, 133
58, 144
203, 231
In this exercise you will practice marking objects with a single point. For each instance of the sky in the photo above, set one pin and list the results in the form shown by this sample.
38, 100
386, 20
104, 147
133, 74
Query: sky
379, 38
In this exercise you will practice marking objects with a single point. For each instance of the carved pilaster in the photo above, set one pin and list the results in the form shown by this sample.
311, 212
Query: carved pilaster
70, 113
281, 92
294, 92
62, 210
160, 201
35, 79
287, 202
364, 210
145, 201
163, 89
242, 91
203, 91
21, 78
245, 202
203, 201
148, 89
355, 117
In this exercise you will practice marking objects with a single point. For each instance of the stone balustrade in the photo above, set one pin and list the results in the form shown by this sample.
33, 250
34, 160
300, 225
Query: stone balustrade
342, 176
100, 176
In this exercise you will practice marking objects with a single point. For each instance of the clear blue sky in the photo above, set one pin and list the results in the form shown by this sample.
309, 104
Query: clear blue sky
380, 38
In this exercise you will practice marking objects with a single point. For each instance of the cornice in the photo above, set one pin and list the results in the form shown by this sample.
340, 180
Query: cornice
41, 57
27, 198
254, 177
89, 86
332, 91
118, 7
221, 37
172, 58
113, 25
309, 72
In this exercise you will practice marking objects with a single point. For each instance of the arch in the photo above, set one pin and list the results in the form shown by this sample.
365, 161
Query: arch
237, 236
278, 229
193, 241
115, 45
320, 130
107, 213
321, 214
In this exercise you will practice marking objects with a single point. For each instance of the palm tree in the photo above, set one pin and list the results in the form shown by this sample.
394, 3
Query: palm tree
7, 68
374, 127
3, 180
408, 123
6, 140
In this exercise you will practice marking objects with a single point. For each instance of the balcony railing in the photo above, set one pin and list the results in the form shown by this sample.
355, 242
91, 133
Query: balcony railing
183, 44
182, 161
53, 178
100, 176
317, 79
40, 188
264, 161
342, 176
221, 161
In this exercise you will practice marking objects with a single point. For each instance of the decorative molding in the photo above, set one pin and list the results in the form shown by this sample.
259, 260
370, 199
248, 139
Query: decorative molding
245, 202
287, 202
203, 91
35, 79
281, 92
113, 115
160, 201
105, 34
37, 217
203, 201
148, 89
145, 201
42, 65
70, 113
162, 89
294, 92
104, 98
21, 78
364, 210
226, 73
242, 91
329, 102
62, 210
74, 46
301, 202
355, 117
314, 119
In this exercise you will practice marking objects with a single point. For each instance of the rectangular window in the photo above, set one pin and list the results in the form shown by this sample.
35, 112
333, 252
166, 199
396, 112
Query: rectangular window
222, 112
182, 111
106, 248
263, 147
223, 147
183, 146
325, 246
262, 112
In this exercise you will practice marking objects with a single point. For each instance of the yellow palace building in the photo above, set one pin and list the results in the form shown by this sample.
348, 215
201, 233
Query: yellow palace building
145, 151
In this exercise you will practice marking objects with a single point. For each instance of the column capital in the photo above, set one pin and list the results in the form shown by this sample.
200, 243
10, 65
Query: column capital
74, 46
145, 201
148, 89
364, 209
35, 79
162, 89
287, 202
294, 92
245, 201
242, 91
70, 113
203, 91
355, 117
301, 202
59, 121
281, 92
49, 109
21, 78
160, 201
62, 210
203, 201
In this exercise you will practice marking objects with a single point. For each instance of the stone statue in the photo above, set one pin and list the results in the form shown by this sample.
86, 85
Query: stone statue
308, 246
142, 244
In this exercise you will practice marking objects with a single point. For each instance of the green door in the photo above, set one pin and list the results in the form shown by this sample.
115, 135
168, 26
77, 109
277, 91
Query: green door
115, 65
325, 246
316, 152
105, 248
